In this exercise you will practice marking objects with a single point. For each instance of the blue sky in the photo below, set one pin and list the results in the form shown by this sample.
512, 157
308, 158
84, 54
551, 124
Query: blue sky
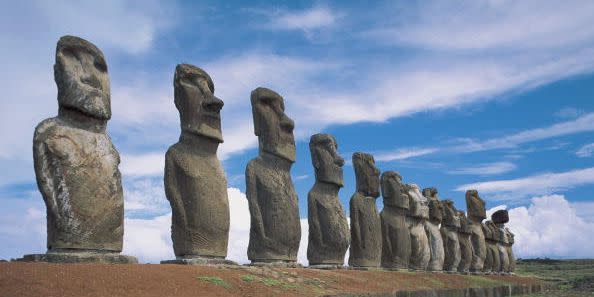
495, 95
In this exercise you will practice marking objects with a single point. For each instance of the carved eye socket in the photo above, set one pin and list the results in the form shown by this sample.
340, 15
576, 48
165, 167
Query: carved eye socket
100, 65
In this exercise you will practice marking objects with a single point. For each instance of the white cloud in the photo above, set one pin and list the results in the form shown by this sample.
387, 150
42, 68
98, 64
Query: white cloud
486, 25
550, 227
582, 124
540, 184
569, 113
585, 151
486, 169
145, 196
143, 165
306, 20
584, 209
401, 154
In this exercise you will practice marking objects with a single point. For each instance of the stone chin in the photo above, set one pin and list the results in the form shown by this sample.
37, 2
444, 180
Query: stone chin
91, 104
333, 180
205, 131
286, 152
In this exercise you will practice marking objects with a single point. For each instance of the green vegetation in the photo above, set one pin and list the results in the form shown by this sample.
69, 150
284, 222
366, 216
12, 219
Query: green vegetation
248, 278
215, 280
570, 277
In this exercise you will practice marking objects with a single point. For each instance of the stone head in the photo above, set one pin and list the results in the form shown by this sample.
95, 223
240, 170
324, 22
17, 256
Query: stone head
81, 76
272, 126
366, 174
435, 207
464, 224
487, 230
475, 206
500, 217
325, 159
418, 203
393, 190
450, 214
199, 110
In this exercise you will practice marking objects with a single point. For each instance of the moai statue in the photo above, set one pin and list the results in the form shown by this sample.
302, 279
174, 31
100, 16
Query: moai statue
395, 233
275, 228
195, 182
465, 244
499, 219
432, 230
366, 242
510, 253
475, 208
328, 226
492, 262
76, 164
417, 214
449, 233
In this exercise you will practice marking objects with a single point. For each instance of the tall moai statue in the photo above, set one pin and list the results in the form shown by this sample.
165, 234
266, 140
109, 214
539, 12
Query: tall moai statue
76, 164
328, 226
275, 228
466, 251
395, 233
510, 253
417, 214
475, 208
492, 261
366, 241
432, 230
499, 219
195, 182
449, 233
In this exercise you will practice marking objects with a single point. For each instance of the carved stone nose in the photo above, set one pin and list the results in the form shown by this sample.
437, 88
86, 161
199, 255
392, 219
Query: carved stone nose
213, 105
287, 124
339, 161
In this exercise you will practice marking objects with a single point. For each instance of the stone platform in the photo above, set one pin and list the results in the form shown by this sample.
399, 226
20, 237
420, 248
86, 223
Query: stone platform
199, 261
79, 257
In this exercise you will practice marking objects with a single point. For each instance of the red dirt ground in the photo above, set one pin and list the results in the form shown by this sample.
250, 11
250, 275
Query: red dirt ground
44, 279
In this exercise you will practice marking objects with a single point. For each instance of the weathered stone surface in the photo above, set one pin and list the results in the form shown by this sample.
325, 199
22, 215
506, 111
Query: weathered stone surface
449, 232
510, 253
366, 242
82, 256
76, 164
475, 207
432, 230
499, 219
466, 251
275, 228
195, 183
328, 227
492, 263
395, 233
417, 214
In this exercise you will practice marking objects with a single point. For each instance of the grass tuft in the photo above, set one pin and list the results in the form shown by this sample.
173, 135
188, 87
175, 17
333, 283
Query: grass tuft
215, 280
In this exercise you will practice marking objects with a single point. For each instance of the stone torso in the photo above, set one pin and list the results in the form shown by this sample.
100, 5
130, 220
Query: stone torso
329, 231
477, 238
81, 169
275, 228
436, 246
451, 245
366, 239
465, 250
396, 238
197, 191
421, 253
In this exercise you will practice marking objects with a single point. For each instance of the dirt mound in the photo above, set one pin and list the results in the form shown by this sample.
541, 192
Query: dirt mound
44, 279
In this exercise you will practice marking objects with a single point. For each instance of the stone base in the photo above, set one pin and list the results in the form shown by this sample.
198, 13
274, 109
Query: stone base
281, 264
326, 266
394, 269
199, 261
366, 268
80, 257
